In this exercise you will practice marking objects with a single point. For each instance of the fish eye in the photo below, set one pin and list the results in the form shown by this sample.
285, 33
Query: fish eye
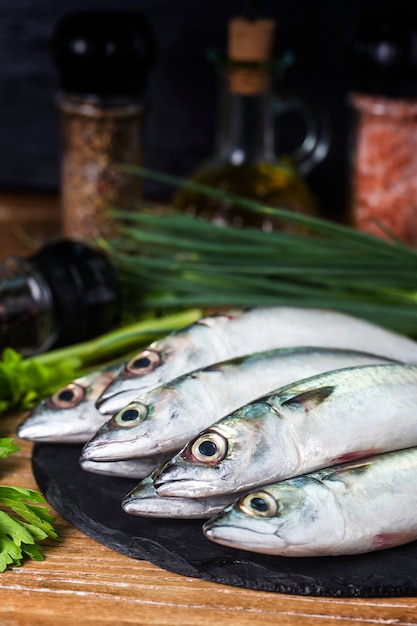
143, 363
209, 448
259, 504
131, 415
67, 397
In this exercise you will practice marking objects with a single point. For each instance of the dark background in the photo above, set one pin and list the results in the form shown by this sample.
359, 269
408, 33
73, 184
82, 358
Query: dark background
181, 94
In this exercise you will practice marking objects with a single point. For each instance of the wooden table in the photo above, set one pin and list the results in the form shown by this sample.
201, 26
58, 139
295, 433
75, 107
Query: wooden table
82, 582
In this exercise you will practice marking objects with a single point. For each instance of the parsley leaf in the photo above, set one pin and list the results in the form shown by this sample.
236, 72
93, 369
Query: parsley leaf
7, 447
24, 522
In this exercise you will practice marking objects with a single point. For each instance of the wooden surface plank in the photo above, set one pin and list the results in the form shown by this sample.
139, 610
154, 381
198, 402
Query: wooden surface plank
27, 220
83, 582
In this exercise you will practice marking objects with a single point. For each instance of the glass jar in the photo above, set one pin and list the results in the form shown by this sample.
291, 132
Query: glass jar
103, 59
384, 167
98, 136
383, 100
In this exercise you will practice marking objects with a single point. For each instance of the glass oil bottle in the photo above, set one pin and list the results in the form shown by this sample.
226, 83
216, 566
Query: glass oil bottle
245, 160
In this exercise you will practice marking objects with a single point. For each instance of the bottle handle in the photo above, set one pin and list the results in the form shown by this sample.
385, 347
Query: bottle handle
316, 143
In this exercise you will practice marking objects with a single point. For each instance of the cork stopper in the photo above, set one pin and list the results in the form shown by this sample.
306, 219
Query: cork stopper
251, 40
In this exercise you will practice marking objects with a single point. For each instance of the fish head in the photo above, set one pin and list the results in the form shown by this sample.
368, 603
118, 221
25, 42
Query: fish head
147, 370
296, 517
143, 499
145, 427
68, 415
224, 458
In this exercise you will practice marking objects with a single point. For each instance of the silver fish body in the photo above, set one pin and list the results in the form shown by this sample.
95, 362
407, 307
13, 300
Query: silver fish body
131, 468
321, 421
166, 418
224, 336
69, 415
143, 500
350, 509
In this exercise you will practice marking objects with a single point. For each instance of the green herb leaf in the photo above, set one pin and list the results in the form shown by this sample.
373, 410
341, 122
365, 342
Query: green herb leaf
23, 524
7, 447
24, 381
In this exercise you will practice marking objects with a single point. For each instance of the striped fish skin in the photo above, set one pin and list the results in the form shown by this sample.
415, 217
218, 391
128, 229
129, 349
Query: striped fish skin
350, 509
166, 418
69, 415
321, 421
144, 501
225, 336
131, 468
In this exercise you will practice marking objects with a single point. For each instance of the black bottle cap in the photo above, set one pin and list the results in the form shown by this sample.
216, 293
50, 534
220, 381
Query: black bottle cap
103, 52
382, 54
84, 287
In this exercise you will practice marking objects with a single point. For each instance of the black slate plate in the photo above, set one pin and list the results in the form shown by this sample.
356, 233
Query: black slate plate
91, 503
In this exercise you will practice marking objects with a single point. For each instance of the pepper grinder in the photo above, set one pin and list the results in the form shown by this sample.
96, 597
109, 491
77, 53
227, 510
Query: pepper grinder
103, 59
65, 293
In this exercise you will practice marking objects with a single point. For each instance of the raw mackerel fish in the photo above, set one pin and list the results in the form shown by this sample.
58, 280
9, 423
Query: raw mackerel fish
166, 418
349, 509
225, 336
319, 422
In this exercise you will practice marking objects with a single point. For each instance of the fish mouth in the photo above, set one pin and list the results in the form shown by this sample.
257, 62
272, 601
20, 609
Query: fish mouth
111, 403
181, 487
105, 451
32, 433
130, 505
224, 534
227, 534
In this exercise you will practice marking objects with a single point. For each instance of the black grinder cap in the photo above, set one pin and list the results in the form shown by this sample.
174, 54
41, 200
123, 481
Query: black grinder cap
103, 52
382, 54
85, 290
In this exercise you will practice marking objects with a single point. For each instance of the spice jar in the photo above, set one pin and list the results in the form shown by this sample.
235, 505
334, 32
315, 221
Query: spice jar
383, 70
103, 60
66, 293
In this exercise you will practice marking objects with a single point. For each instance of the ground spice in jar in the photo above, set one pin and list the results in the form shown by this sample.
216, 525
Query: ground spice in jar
384, 167
103, 58
96, 141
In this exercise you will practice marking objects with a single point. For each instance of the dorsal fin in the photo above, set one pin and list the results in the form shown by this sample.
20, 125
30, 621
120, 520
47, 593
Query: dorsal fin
310, 399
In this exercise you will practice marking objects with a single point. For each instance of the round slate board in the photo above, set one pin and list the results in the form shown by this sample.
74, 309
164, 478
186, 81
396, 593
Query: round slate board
91, 503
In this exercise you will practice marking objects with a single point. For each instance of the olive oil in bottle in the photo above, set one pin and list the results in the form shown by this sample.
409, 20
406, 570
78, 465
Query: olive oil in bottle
245, 161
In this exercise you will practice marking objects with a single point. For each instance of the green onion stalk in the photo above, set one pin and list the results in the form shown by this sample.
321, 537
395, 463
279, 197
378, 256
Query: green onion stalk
182, 261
